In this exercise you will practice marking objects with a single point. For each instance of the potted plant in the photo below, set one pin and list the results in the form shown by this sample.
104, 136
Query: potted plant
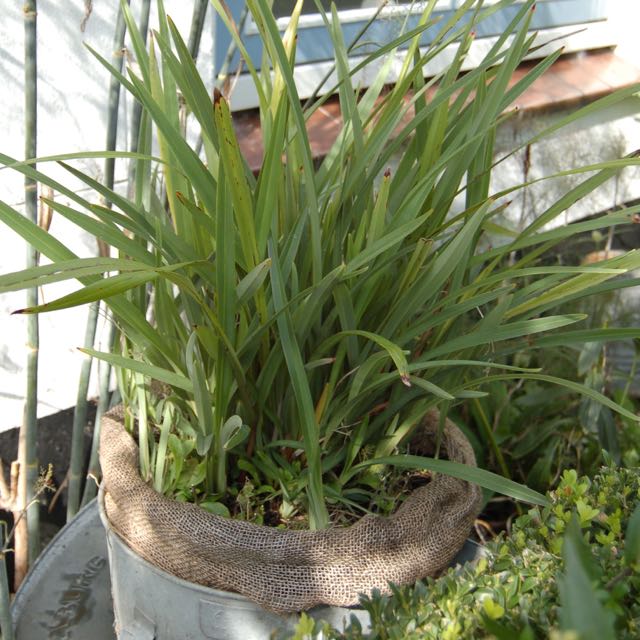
289, 342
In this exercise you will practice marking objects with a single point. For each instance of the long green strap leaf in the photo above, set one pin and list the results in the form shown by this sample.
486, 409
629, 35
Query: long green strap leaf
104, 288
65, 270
319, 517
151, 371
503, 332
234, 168
565, 338
583, 281
569, 384
486, 479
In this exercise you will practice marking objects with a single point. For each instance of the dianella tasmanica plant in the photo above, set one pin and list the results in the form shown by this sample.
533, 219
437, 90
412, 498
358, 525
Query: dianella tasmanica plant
281, 335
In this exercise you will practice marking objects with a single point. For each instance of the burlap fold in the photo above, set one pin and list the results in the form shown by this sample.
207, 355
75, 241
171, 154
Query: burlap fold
286, 571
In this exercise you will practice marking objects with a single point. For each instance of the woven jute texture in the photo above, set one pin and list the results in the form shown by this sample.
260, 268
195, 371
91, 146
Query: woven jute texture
286, 571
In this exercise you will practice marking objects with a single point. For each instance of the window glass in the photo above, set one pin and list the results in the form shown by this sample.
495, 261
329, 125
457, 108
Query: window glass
283, 8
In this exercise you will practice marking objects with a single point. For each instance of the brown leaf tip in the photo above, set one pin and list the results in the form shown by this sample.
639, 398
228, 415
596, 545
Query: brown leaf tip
217, 95
387, 173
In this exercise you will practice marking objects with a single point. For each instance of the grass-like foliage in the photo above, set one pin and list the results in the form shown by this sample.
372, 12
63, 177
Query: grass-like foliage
302, 321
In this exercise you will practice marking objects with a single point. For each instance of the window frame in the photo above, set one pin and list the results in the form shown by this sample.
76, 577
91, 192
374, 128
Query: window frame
575, 24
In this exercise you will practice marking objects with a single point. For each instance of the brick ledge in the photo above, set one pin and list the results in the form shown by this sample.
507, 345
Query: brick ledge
571, 81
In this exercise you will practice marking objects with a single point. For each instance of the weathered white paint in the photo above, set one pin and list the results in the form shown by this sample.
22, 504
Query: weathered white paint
72, 96
581, 144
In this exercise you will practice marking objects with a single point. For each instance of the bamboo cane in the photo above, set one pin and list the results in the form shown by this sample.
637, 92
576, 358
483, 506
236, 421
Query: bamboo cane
27, 541
80, 414
197, 24
114, 98
80, 418
137, 107
93, 472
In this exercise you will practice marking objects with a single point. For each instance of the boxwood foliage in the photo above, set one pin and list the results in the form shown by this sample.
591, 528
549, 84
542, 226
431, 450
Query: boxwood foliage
568, 571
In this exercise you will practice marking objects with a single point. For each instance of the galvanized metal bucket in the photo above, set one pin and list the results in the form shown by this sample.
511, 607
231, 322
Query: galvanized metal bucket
67, 593
150, 604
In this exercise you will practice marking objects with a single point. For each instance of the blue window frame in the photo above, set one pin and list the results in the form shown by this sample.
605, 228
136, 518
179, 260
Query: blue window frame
314, 45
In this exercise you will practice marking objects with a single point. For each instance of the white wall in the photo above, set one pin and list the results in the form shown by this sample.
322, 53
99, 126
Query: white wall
72, 95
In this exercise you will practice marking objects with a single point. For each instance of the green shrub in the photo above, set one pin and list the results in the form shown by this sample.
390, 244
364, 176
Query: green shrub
570, 570
531, 433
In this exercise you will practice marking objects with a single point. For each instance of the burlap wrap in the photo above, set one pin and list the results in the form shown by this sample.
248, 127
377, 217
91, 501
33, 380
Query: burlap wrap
287, 571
